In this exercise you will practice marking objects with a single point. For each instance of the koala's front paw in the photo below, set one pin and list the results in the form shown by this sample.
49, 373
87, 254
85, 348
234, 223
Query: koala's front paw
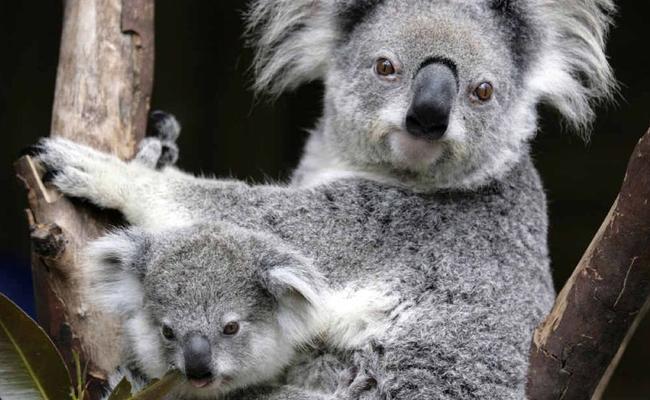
159, 148
353, 384
68, 165
80, 171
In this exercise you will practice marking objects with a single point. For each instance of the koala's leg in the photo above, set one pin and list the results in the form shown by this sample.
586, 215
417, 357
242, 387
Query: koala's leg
460, 352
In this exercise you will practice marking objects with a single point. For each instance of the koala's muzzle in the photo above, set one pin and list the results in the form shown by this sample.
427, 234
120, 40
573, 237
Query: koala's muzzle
197, 353
435, 89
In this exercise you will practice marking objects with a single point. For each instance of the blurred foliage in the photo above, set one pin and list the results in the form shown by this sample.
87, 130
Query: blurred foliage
30, 365
32, 368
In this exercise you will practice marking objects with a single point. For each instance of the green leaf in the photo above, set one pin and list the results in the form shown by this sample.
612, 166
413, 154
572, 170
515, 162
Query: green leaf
158, 389
30, 365
122, 391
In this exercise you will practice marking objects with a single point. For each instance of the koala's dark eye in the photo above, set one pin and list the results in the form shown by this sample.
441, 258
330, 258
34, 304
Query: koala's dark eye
168, 333
384, 67
231, 328
484, 91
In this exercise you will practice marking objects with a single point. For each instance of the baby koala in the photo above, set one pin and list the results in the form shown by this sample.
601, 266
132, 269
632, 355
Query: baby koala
227, 307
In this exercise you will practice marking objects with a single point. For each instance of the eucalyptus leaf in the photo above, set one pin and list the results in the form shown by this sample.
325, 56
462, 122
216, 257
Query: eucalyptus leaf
30, 365
122, 391
159, 389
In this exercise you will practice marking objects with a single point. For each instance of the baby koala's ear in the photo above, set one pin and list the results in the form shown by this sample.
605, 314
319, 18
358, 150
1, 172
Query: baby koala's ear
299, 290
116, 265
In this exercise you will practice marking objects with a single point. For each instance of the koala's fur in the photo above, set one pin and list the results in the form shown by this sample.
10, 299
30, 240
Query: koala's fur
455, 228
195, 280
531, 50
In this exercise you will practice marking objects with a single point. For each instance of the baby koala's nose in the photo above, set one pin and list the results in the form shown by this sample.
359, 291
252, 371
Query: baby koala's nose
197, 353
435, 89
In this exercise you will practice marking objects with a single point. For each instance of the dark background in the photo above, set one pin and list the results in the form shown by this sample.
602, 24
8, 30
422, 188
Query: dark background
202, 75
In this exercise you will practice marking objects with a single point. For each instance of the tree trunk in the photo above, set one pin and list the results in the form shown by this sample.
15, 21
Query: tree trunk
576, 349
103, 88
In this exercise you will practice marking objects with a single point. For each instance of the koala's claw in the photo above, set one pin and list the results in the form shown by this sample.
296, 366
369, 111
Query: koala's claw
353, 384
80, 171
159, 148
49, 176
32, 151
164, 126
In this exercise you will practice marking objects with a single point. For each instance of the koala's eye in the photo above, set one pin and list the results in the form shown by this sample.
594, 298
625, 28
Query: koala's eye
231, 328
384, 67
484, 91
168, 333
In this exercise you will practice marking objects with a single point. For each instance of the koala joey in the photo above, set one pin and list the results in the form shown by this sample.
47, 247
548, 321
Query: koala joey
226, 307
417, 179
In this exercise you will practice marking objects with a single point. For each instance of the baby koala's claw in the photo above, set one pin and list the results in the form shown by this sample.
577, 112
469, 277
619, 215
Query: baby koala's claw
353, 384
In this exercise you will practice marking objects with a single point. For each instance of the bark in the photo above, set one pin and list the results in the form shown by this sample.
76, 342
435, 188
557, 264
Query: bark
576, 349
103, 88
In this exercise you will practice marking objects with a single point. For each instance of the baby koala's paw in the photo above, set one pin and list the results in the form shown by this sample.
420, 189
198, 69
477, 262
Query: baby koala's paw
159, 148
354, 384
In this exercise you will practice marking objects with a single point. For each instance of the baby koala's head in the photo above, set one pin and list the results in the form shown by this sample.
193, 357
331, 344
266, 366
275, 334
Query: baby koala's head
225, 306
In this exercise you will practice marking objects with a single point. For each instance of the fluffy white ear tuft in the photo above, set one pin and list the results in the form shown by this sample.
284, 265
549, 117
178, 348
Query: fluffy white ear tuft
293, 41
116, 266
299, 290
573, 73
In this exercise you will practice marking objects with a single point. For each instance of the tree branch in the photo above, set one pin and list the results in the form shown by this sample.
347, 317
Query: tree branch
103, 88
577, 347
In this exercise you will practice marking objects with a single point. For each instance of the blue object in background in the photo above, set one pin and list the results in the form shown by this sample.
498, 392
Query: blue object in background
16, 282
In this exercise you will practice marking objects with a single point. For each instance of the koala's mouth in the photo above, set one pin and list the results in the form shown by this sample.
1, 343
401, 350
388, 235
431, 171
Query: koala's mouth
211, 382
415, 153
201, 383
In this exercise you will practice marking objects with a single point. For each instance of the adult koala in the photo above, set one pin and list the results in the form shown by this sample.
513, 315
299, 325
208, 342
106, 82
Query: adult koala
417, 181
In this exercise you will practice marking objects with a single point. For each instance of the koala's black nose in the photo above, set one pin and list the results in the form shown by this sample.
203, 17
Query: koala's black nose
435, 89
197, 353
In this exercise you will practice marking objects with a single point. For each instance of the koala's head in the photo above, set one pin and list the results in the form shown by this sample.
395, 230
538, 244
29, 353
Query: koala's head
224, 306
439, 92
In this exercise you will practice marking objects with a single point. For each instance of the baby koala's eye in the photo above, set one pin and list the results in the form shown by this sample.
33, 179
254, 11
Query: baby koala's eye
168, 333
231, 328
484, 91
385, 67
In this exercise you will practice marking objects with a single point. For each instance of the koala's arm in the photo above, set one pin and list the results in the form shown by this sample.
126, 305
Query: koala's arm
147, 197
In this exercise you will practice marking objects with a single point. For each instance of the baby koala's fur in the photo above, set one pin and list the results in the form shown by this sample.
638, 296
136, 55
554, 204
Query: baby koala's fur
192, 281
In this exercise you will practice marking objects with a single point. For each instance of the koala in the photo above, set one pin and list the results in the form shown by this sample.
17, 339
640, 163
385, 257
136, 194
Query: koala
417, 178
226, 307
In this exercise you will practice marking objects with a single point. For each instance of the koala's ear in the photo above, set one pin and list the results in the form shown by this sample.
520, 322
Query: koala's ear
116, 265
299, 289
573, 73
294, 40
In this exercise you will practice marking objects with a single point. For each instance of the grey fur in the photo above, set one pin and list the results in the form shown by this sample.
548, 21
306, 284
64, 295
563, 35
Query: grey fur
195, 280
454, 229
470, 269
